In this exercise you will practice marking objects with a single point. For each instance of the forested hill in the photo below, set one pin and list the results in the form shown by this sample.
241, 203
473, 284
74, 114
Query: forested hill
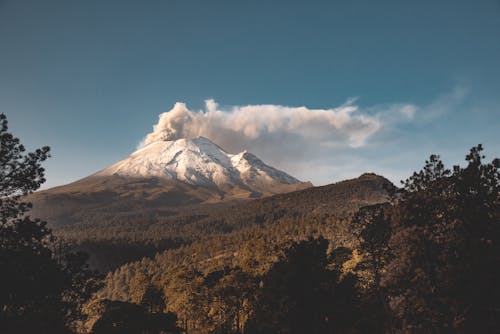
253, 234
122, 238
405, 266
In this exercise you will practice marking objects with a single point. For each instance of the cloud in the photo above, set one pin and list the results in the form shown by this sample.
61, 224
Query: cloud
318, 145
444, 104
243, 126
284, 137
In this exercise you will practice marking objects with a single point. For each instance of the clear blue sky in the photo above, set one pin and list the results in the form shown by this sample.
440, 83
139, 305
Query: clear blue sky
89, 78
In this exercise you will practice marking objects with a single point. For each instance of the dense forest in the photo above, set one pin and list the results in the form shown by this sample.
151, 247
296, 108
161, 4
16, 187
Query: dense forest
337, 259
425, 261
111, 243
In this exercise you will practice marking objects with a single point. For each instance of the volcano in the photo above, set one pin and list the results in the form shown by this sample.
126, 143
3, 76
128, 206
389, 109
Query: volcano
165, 174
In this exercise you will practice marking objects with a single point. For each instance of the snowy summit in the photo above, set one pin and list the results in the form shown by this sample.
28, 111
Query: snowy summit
200, 162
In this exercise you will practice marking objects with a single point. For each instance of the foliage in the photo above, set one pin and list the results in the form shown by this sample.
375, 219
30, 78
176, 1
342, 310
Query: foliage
425, 262
115, 238
445, 268
371, 225
115, 317
300, 294
41, 290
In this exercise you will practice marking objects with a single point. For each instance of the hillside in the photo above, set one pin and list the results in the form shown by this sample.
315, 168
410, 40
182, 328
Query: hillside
251, 237
116, 239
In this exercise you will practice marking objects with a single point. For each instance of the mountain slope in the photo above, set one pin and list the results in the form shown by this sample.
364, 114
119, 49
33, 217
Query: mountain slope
120, 237
160, 178
200, 162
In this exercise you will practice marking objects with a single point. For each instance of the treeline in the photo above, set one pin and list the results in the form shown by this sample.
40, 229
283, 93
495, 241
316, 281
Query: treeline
426, 262
258, 246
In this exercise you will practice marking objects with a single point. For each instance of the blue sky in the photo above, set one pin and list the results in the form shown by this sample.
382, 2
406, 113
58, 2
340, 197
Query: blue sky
89, 78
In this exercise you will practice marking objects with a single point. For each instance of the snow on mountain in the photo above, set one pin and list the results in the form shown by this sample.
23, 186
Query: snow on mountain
200, 162
161, 178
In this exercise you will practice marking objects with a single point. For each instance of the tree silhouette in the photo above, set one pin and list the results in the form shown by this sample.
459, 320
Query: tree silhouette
128, 318
444, 273
153, 299
40, 291
301, 295
372, 226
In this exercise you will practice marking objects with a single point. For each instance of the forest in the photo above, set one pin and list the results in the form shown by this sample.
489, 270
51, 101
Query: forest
111, 243
360, 256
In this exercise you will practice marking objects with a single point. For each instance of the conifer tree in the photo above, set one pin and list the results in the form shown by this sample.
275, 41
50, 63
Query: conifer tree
40, 291
445, 268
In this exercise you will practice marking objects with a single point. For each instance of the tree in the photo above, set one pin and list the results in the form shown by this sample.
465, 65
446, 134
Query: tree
20, 174
372, 226
153, 299
301, 295
84, 282
185, 291
138, 285
445, 268
40, 291
128, 318
229, 293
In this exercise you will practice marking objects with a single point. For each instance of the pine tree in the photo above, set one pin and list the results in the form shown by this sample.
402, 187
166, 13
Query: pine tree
300, 294
153, 299
40, 291
444, 273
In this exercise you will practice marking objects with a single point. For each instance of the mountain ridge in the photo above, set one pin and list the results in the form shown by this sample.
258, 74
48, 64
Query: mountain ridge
165, 174
200, 162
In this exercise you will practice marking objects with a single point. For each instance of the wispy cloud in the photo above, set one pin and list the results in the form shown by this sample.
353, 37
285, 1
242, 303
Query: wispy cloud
444, 104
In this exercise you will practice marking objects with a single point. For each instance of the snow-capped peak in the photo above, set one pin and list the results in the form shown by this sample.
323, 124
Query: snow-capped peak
200, 162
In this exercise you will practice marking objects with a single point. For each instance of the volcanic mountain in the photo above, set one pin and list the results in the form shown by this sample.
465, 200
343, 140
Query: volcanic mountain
165, 174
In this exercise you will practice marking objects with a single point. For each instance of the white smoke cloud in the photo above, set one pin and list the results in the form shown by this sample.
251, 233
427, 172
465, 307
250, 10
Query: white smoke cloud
241, 127
290, 138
